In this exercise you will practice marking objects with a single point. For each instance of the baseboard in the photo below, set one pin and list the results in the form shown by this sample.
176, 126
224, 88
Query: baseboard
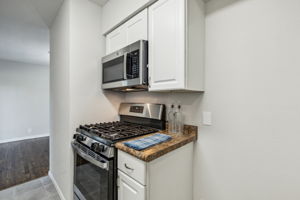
56, 186
24, 138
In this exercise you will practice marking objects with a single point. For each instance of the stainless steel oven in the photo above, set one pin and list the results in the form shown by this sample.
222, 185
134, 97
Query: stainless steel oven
94, 174
95, 155
126, 69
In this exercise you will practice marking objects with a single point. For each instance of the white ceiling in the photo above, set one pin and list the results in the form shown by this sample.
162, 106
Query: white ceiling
24, 29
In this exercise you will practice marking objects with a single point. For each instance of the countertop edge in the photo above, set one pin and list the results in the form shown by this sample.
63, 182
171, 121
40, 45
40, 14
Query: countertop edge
190, 135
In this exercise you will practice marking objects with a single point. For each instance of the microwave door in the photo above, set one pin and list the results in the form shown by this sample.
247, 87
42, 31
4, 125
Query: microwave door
114, 70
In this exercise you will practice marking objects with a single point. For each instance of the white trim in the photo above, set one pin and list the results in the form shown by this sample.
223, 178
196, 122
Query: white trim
56, 186
24, 138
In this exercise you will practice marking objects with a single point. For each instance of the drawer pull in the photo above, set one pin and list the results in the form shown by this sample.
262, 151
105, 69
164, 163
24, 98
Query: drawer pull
128, 167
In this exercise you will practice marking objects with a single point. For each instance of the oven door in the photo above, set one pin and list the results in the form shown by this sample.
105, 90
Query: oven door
93, 175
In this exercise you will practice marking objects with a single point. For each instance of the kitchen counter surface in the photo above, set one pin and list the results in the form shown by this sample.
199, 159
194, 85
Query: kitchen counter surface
147, 155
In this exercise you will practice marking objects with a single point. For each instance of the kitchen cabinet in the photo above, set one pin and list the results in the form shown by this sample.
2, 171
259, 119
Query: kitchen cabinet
167, 177
176, 45
129, 189
131, 31
115, 40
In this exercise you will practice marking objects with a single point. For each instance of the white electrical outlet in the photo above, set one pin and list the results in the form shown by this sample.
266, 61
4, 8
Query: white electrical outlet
206, 118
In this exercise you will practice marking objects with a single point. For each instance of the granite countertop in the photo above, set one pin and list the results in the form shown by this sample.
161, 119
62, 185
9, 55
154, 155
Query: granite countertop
147, 155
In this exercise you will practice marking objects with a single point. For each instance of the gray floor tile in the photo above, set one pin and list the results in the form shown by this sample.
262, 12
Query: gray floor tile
7, 194
35, 194
55, 197
46, 180
50, 189
39, 189
27, 187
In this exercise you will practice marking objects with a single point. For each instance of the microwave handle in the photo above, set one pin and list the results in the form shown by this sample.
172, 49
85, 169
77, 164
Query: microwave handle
125, 66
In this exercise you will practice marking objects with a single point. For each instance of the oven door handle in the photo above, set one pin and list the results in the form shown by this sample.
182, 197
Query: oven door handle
125, 66
102, 165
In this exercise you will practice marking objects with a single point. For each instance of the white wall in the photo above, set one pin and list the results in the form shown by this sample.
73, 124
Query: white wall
114, 11
24, 36
251, 152
24, 101
60, 152
88, 102
76, 95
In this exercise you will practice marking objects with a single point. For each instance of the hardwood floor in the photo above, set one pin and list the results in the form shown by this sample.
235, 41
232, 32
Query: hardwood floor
23, 161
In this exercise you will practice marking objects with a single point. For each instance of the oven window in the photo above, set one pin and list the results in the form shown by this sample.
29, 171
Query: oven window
91, 181
113, 70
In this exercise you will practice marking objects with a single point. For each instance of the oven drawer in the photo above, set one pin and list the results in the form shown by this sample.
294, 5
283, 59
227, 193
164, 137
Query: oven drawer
132, 166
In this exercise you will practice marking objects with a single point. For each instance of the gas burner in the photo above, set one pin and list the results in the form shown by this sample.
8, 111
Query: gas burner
117, 130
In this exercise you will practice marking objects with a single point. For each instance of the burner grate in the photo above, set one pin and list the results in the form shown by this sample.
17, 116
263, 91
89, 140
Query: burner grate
118, 130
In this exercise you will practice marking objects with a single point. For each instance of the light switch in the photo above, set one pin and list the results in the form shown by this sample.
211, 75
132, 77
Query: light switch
207, 118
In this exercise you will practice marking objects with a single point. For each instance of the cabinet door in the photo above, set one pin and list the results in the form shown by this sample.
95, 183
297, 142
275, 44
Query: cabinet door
116, 40
129, 189
137, 27
131, 31
167, 45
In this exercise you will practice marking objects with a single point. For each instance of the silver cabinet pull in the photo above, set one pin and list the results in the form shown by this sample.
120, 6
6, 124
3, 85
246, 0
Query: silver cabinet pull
128, 167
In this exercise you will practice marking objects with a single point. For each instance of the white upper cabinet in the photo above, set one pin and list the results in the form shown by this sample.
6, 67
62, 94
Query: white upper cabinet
137, 27
115, 40
176, 45
166, 44
116, 11
131, 31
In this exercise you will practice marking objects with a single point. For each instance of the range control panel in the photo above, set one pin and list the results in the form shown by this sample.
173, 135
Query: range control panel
136, 109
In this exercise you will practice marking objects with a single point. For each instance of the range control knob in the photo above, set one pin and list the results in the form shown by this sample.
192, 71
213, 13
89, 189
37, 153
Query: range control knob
97, 147
79, 137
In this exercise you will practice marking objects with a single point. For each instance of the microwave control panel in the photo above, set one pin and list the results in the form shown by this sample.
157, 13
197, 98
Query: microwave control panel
133, 65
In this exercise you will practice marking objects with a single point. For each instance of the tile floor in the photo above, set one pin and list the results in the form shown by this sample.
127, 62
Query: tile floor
38, 189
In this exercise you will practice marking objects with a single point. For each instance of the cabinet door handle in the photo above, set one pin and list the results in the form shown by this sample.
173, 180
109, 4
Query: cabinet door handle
128, 167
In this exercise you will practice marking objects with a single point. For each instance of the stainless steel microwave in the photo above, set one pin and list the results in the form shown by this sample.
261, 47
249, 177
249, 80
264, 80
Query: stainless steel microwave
126, 69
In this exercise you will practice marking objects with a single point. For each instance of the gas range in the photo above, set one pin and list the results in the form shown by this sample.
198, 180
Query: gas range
95, 156
101, 137
115, 131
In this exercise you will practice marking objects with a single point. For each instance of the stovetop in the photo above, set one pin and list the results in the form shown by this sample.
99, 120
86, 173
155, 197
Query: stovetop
115, 131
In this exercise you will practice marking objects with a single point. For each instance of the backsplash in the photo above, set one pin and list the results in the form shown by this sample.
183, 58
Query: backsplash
190, 102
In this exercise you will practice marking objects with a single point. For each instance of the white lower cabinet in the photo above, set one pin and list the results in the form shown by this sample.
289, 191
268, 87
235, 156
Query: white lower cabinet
129, 189
169, 177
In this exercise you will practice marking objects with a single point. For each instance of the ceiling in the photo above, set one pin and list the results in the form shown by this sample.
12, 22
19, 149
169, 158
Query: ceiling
24, 29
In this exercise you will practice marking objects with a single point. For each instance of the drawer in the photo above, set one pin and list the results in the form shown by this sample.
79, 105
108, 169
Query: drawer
130, 189
132, 166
